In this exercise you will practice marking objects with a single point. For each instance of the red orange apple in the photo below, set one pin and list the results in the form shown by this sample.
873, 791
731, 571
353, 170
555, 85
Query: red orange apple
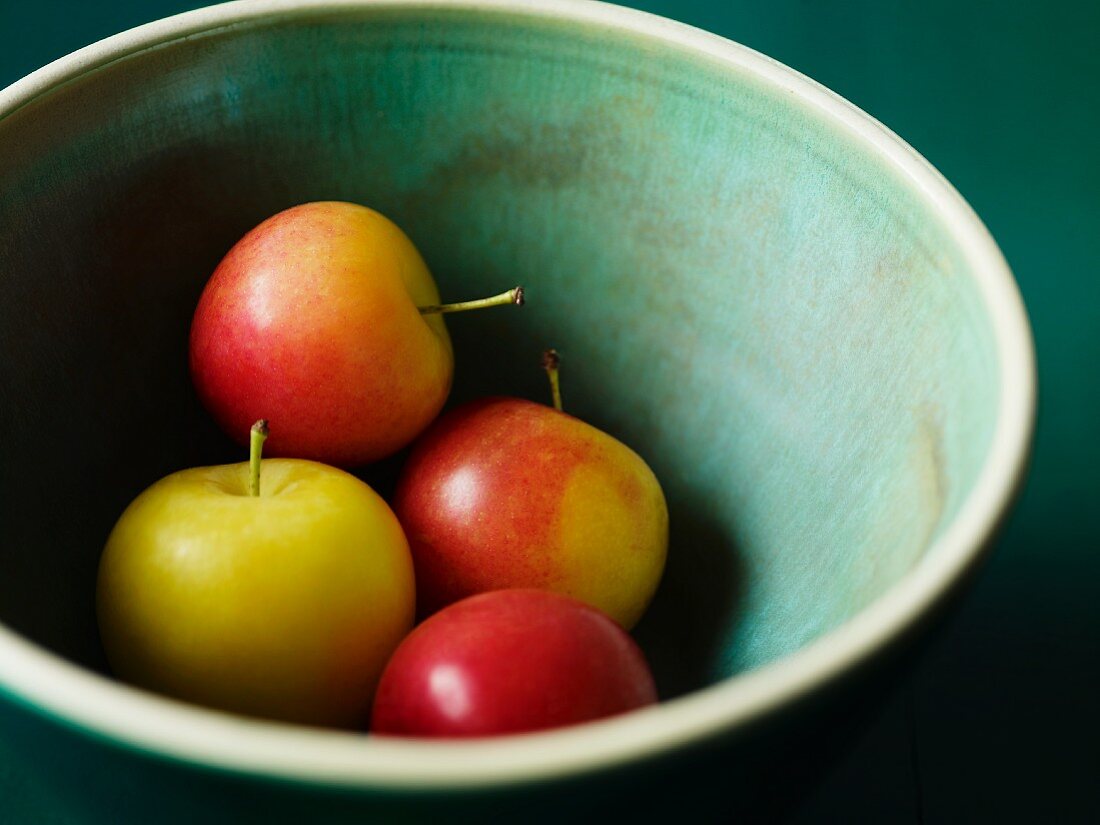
506, 493
320, 320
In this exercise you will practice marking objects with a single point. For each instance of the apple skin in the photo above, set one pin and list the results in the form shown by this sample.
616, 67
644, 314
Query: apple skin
503, 493
311, 322
510, 661
285, 605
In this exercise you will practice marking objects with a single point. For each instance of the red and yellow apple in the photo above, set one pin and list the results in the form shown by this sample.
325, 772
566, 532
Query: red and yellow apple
506, 493
282, 602
325, 320
507, 662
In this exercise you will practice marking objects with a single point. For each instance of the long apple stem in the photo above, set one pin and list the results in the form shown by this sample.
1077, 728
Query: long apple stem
512, 296
255, 449
550, 362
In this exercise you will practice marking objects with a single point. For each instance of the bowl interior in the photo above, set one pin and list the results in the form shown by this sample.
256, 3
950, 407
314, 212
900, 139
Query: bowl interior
769, 314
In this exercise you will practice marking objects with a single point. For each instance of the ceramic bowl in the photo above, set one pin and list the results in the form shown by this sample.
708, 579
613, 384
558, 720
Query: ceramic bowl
790, 314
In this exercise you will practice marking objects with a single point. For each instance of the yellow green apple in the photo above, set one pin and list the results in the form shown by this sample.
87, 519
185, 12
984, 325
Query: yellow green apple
281, 595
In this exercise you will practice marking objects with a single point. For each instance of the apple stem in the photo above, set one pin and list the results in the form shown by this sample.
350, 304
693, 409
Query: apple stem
550, 362
512, 296
255, 449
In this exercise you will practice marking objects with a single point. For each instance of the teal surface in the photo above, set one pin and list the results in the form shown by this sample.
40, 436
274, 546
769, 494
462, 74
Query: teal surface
998, 100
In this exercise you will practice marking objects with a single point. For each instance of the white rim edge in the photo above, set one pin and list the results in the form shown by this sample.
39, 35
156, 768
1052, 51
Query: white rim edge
101, 706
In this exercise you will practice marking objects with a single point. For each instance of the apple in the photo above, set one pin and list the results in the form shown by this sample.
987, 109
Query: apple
503, 493
510, 661
325, 320
282, 601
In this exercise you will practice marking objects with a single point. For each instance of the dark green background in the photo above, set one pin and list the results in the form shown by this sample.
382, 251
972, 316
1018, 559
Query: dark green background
999, 722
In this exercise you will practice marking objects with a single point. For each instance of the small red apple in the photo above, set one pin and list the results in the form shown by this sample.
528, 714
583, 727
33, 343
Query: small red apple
503, 493
507, 662
325, 320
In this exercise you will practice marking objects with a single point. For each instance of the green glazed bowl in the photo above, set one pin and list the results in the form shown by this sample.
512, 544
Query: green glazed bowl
790, 314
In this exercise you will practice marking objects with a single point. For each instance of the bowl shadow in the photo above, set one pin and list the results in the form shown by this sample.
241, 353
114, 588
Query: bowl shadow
686, 629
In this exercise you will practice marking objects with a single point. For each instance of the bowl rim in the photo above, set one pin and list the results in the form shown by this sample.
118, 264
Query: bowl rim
95, 705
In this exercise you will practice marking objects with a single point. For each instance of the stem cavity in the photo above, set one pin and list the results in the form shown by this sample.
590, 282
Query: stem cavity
550, 362
255, 450
512, 296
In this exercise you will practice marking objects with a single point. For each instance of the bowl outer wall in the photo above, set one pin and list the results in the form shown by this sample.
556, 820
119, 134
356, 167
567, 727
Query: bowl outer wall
48, 684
